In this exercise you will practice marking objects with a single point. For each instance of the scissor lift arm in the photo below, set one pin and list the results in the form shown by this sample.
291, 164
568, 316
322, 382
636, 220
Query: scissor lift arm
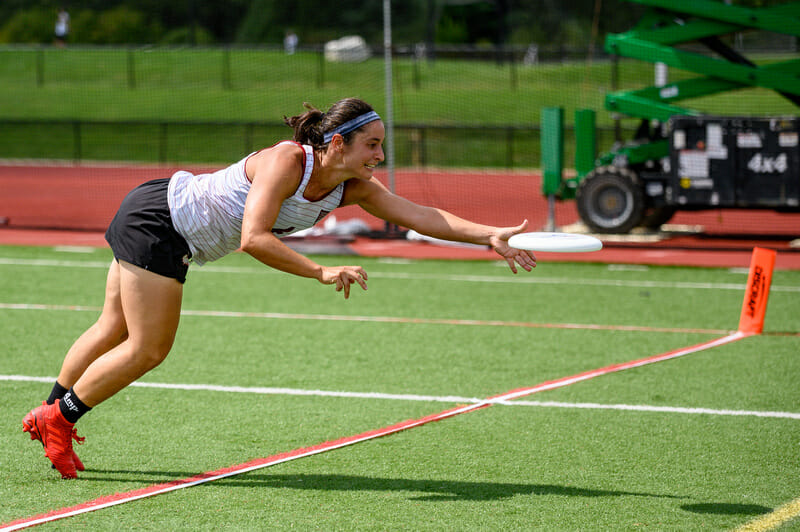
673, 22
637, 183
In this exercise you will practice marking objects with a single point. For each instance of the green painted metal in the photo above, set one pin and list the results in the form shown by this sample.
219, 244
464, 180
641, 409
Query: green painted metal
672, 22
783, 18
586, 146
640, 153
655, 39
552, 135
774, 78
632, 104
693, 30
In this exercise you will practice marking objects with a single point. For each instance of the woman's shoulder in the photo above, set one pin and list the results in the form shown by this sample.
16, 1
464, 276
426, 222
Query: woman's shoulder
281, 150
282, 157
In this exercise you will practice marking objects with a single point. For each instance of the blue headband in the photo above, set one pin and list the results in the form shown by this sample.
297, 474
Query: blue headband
351, 125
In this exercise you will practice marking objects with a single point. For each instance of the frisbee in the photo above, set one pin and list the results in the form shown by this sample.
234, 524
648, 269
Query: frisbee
556, 242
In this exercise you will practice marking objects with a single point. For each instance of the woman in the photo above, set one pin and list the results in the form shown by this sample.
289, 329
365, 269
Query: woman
164, 225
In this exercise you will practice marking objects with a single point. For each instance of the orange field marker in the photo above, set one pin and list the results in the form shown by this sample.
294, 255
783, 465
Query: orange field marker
755, 297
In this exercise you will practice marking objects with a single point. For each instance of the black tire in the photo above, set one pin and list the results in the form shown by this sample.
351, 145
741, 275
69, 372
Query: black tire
658, 216
611, 200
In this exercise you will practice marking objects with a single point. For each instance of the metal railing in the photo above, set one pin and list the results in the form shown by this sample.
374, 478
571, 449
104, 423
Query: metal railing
158, 141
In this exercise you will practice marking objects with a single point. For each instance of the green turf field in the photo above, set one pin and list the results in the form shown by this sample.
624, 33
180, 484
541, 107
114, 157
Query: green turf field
567, 459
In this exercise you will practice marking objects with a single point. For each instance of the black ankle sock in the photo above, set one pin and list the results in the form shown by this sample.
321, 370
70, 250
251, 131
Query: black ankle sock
57, 392
71, 407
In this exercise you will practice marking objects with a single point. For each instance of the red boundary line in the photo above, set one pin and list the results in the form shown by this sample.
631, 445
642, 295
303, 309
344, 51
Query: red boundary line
158, 489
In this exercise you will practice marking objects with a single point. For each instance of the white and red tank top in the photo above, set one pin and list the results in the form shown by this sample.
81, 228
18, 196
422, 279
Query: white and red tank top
207, 209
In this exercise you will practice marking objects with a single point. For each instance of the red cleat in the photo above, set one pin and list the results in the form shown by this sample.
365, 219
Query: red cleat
29, 426
46, 424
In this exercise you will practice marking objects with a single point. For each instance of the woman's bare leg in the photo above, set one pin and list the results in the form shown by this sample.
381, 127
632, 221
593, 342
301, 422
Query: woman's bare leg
108, 332
134, 333
151, 306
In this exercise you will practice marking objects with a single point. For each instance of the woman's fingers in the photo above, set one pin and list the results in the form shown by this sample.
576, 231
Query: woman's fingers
347, 275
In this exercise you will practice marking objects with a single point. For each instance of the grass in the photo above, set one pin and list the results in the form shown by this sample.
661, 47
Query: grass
212, 85
185, 84
506, 467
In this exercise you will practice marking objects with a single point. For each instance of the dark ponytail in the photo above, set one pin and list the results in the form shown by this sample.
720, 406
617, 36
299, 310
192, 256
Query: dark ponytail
306, 127
311, 126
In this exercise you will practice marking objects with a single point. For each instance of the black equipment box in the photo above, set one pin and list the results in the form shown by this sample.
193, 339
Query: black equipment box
734, 162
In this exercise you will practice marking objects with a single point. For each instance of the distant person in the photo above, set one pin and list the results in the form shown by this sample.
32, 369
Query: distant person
531, 55
62, 28
164, 225
290, 42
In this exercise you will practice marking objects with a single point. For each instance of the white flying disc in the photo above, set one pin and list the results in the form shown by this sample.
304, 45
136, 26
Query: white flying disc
557, 242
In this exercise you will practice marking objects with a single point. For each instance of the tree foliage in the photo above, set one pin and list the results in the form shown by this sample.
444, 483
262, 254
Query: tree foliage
521, 22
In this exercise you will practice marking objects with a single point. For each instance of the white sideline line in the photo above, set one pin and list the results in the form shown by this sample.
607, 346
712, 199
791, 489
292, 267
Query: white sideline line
381, 319
49, 263
648, 408
433, 398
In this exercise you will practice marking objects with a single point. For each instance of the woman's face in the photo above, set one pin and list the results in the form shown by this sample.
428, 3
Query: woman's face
366, 149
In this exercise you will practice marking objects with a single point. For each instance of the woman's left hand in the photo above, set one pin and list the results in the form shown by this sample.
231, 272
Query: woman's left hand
499, 242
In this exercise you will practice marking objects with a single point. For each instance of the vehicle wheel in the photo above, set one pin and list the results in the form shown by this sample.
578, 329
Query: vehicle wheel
611, 200
657, 216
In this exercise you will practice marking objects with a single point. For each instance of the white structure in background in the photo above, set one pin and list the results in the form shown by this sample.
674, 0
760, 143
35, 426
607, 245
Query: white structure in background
661, 74
531, 55
350, 49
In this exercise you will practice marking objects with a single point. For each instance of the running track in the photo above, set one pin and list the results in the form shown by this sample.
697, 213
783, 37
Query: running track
38, 202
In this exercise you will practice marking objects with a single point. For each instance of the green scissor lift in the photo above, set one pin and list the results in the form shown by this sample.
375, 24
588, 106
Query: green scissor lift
679, 158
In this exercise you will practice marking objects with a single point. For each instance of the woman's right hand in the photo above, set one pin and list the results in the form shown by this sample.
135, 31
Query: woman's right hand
343, 277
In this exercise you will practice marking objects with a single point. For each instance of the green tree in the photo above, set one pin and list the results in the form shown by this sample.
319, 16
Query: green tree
124, 25
29, 26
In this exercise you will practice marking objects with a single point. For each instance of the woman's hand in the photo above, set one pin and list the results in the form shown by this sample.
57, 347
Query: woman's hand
499, 242
343, 277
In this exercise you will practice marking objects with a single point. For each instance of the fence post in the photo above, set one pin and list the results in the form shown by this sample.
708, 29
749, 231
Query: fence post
416, 75
510, 147
40, 67
77, 149
248, 137
321, 68
423, 147
226, 68
131, 70
513, 66
162, 142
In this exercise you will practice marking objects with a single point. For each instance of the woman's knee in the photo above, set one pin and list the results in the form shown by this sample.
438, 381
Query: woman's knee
151, 355
112, 328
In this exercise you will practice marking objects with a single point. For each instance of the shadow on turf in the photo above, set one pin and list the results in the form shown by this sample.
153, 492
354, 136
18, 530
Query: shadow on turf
445, 490
724, 508
437, 490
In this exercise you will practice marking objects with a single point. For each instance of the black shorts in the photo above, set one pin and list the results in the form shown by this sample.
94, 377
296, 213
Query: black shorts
142, 232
